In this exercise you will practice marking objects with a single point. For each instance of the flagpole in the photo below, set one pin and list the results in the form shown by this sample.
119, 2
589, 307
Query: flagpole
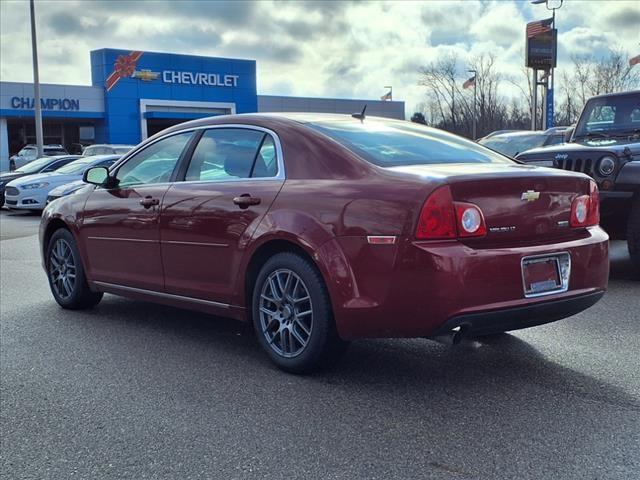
36, 83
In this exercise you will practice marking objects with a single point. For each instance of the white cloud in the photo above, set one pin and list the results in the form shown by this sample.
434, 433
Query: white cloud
312, 48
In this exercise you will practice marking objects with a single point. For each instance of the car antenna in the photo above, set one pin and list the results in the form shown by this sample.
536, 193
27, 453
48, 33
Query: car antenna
360, 116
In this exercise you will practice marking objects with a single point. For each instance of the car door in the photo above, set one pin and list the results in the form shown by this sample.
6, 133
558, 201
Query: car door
120, 227
229, 184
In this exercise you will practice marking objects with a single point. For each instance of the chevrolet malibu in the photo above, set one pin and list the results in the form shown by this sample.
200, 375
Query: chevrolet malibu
322, 229
30, 193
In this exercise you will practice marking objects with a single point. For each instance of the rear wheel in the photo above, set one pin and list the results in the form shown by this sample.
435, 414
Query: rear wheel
292, 315
633, 233
66, 273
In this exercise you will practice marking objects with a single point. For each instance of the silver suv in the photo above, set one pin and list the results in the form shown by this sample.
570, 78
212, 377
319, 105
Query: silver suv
29, 153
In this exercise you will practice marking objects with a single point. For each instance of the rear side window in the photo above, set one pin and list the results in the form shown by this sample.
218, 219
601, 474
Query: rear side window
232, 153
390, 144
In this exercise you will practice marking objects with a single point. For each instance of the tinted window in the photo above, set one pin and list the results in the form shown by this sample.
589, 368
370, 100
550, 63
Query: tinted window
56, 165
610, 114
154, 164
267, 160
389, 144
229, 153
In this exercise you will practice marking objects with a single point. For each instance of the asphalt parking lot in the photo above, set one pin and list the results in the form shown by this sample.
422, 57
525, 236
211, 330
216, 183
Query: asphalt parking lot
136, 390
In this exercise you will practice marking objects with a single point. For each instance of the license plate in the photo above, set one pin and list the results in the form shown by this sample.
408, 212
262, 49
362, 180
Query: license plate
541, 275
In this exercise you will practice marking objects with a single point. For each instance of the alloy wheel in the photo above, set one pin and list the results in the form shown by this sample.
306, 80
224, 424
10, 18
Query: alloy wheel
286, 313
62, 269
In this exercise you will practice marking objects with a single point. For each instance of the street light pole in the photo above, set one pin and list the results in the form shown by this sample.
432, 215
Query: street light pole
475, 102
36, 83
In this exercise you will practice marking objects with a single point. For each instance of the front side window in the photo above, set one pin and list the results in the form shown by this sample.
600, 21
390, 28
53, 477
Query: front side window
232, 153
155, 163
392, 143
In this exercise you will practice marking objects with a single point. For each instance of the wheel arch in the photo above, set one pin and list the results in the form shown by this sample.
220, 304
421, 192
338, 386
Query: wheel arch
262, 253
52, 226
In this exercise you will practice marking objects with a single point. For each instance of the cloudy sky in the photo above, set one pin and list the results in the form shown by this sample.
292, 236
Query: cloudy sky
310, 48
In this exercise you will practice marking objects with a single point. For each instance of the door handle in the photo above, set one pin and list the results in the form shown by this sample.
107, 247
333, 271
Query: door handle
148, 202
245, 200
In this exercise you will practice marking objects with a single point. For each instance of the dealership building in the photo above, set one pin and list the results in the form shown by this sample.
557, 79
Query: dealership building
135, 94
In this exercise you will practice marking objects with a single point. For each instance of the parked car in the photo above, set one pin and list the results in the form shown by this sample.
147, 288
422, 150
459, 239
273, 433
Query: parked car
104, 149
512, 143
322, 229
30, 193
29, 153
606, 146
64, 190
41, 165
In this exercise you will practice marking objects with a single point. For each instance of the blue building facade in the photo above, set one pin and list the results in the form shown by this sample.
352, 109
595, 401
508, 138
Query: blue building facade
151, 90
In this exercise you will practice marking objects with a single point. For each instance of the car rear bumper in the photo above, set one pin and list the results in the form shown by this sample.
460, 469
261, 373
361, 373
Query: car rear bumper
417, 289
507, 319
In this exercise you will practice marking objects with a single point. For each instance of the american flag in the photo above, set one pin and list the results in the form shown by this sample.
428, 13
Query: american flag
536, 28
386, 96
469, 83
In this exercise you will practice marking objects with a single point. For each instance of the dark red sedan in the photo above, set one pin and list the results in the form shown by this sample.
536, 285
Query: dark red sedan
321, 229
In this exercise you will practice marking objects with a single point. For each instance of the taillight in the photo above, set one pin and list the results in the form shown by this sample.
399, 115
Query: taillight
585, 209
437, 219
442, 218
470, 220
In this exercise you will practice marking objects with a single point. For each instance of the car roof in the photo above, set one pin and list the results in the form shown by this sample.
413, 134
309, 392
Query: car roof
617, 94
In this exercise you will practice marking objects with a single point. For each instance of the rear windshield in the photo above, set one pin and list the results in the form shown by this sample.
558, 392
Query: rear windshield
391, 144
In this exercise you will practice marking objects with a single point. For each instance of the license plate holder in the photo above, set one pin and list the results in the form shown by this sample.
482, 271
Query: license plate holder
542, 275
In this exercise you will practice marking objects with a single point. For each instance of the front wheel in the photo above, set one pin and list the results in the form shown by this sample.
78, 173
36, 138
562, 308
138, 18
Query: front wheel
292, 315
633, 233
66, 273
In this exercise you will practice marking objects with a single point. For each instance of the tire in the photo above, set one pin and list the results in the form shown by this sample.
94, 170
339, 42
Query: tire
65, 273
296, 330
633, 233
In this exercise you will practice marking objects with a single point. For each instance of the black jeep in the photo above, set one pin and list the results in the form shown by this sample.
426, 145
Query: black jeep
606, 146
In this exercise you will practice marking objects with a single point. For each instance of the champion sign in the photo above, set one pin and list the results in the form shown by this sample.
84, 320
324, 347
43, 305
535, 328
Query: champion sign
28, 103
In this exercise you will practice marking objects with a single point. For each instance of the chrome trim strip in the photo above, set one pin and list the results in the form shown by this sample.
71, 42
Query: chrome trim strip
116, 239
200, 244
163, 295
281, 171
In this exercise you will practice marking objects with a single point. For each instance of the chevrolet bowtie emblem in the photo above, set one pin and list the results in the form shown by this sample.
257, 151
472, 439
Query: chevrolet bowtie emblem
530, 196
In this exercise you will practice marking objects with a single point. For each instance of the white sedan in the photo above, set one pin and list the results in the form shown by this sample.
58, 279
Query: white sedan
30, 193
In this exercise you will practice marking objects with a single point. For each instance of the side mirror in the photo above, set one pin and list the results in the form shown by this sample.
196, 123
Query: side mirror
96, 175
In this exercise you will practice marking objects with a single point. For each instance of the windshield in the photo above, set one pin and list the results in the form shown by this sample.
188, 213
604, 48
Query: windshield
512, 145
610, 116
390, 144
34, 166
27, 152
76, 166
